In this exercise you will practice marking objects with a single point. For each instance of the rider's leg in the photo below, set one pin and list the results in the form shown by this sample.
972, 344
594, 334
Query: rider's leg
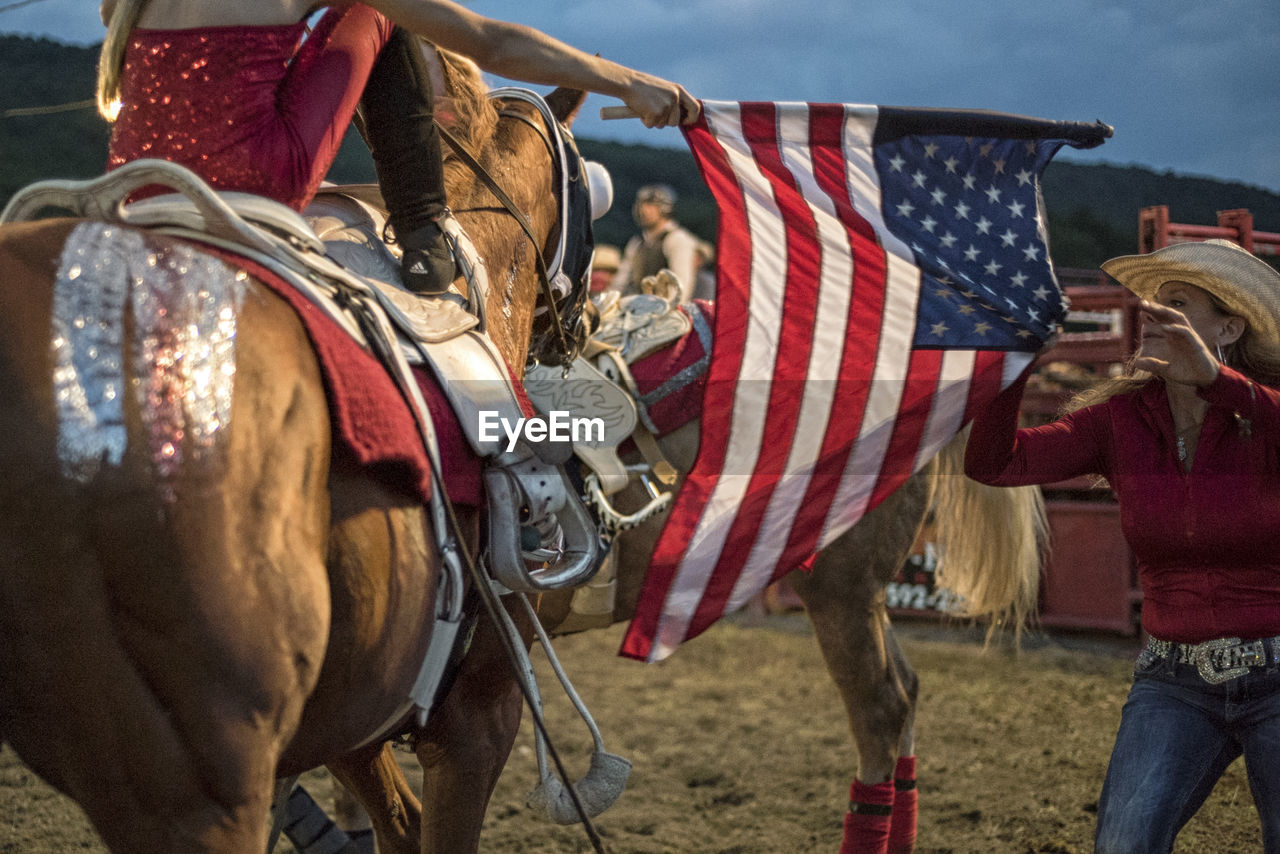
317, 98
405, 144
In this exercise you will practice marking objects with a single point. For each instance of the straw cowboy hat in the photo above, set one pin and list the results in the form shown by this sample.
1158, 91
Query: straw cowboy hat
1247, 285
606, 258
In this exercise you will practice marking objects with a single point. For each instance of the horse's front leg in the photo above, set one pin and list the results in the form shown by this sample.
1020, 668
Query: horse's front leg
844, 599
902, 834
466, 742
879, 698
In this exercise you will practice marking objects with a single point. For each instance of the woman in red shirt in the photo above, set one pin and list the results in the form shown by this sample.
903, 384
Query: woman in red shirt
1189, 442
230, 89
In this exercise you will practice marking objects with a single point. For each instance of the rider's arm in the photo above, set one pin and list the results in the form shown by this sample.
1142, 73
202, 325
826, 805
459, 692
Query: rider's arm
523, 53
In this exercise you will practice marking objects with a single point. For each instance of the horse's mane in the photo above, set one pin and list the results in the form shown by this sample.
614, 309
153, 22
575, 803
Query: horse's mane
462, 101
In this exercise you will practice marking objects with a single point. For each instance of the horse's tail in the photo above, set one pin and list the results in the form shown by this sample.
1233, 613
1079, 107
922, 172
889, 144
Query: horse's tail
992, 541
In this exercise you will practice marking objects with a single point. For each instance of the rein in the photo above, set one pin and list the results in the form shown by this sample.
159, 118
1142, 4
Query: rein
540, 131
480, 581
567, 351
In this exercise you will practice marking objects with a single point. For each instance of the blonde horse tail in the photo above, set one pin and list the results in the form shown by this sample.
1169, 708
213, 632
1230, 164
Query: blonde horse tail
992, 542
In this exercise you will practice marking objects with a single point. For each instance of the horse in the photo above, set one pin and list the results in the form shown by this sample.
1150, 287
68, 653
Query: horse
199, 596
991, 541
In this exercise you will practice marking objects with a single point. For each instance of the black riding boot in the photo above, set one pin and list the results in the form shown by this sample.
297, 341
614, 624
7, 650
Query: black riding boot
405, 144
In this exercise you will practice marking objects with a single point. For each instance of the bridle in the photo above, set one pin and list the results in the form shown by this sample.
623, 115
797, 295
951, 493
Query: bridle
563, 282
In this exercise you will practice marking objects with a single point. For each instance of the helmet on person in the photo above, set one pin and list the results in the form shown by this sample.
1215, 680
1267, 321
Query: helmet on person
658, 194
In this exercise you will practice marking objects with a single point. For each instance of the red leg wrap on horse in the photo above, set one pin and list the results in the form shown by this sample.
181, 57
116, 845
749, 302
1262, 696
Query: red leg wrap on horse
866, 824
902, 833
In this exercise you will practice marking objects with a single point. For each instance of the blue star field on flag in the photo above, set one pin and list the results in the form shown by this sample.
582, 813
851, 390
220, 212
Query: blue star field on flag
968, 208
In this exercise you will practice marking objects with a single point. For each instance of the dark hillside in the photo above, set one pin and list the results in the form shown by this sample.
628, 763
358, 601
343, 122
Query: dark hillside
1093, 207
48, 126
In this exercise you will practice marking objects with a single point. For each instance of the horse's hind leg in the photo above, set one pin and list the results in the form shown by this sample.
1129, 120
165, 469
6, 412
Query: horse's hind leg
92, 716
844, 599
155, 655
467, 741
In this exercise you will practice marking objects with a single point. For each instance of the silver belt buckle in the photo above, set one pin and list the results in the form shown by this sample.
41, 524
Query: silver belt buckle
1205, 655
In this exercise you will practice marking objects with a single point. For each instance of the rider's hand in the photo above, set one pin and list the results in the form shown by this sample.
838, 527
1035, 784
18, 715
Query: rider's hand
660, 103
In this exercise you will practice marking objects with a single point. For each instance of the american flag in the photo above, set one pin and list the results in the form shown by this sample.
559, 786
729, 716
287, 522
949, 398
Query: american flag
882, 273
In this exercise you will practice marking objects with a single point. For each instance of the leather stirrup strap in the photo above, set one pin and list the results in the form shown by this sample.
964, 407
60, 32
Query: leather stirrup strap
648, 447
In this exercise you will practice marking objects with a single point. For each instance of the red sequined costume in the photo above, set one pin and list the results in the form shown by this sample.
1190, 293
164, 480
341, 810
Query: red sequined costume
247, 108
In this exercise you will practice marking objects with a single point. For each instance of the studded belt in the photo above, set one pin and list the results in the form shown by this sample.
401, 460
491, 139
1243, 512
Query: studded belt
1221, 659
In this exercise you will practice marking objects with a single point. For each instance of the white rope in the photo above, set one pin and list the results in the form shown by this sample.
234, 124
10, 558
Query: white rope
604, 781
12, 6
569, 690
44, 111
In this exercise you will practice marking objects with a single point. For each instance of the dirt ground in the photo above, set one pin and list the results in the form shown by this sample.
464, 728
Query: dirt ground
740, 746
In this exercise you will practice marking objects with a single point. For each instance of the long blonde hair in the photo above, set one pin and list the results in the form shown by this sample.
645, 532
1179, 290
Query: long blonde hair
461, 97
111, 59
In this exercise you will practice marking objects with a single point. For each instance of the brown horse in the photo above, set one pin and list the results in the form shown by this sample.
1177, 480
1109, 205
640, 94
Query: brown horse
195, 599
991, 540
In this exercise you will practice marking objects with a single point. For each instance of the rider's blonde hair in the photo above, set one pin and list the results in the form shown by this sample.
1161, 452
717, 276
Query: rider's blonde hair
111, 59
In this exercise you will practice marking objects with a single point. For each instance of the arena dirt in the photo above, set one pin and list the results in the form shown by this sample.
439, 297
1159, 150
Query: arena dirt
740, 746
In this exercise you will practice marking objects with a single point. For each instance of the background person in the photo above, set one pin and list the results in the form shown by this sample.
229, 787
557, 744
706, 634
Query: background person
661, 244
1190, 444
223, 87
705, 279
604, 264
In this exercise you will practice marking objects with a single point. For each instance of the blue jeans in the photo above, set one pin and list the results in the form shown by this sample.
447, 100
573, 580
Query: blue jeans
1177, 736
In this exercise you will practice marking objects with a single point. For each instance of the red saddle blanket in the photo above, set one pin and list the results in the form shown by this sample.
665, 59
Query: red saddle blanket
373, 427
671, 381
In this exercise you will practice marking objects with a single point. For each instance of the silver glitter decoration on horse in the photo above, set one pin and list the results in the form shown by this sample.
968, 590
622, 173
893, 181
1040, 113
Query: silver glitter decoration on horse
88, 379
180, 357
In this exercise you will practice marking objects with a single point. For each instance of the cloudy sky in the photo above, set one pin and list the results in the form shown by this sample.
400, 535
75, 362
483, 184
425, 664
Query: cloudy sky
1190, 87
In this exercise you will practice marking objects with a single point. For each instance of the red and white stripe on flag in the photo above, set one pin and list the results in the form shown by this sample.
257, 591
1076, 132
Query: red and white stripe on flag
817, 404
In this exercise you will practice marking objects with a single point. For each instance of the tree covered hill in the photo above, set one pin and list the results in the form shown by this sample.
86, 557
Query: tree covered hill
39, 138
49, 128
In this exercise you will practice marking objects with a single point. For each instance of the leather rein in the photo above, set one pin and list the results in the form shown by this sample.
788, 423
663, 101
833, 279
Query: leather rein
567, 350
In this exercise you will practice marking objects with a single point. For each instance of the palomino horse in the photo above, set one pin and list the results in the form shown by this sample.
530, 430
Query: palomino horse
991, 541
207, 602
